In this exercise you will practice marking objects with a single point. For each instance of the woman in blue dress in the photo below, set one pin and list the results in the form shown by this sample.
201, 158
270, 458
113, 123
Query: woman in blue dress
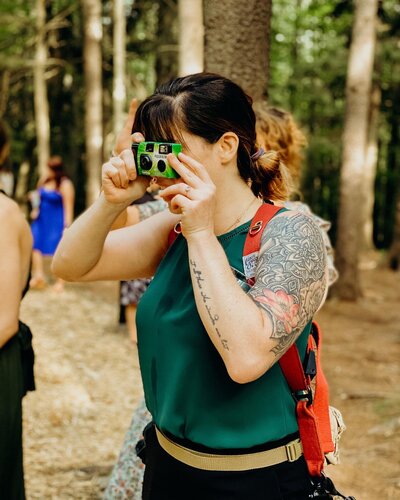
52, 211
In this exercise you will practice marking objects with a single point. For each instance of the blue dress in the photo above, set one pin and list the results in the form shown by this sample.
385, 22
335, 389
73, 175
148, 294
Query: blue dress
47, 229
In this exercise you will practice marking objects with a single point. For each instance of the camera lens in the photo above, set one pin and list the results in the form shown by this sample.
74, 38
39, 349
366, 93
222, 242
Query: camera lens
161, 165
146, 162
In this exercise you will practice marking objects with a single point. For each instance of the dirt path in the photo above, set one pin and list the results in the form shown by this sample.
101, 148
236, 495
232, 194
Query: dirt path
88, 384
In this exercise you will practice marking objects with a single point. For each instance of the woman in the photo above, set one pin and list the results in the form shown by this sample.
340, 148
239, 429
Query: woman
16, 355
278, 131
53, 209
207, 349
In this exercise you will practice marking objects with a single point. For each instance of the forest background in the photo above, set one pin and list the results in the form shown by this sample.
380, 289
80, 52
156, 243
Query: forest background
61, 92
62, 59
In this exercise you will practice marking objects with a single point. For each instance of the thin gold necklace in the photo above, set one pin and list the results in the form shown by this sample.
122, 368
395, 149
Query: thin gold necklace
236, 221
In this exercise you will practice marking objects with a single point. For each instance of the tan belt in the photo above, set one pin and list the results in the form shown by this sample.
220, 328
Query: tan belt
206, 461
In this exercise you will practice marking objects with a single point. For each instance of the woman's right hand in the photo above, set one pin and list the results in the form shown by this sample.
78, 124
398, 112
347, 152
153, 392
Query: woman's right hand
120, 183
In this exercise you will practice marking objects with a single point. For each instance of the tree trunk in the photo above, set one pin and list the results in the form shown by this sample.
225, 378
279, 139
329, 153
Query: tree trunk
41, 103
394, 252
167, 41
119, 87
4, 91
191, 37
371, 162
358, 87
237, 42
92, 61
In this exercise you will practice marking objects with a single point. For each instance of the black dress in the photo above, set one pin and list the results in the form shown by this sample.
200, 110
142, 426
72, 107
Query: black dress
16, 378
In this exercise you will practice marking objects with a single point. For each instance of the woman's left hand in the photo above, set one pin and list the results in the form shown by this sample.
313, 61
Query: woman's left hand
193, 198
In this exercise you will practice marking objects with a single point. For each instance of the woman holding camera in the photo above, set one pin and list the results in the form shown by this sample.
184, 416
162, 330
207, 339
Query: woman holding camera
220, 404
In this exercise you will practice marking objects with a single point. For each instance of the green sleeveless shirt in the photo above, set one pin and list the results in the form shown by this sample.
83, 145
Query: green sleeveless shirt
187, 388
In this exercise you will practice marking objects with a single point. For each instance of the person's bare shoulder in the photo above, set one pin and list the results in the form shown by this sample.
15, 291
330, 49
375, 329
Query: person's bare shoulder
12, 219
66, 184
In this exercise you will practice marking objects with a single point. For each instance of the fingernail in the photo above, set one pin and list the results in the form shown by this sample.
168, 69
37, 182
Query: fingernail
137, 137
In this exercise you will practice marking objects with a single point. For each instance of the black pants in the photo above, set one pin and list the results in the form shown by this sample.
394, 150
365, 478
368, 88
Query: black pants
11, 393
168, 479
16, 378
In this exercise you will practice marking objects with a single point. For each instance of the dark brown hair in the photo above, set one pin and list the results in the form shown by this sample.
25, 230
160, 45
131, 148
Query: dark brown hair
56, 165
208, 105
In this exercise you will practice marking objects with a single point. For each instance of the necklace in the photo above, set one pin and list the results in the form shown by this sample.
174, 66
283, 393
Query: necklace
236, 221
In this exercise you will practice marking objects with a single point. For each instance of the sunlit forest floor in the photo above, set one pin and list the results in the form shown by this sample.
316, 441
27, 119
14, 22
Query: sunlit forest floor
88, 384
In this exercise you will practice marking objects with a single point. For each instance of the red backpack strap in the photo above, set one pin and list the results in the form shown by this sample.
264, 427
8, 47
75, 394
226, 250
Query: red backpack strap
299, 384
253, 240
321, 397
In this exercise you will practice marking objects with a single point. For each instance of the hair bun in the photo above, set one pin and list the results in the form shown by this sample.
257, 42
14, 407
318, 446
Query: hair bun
271, 178
270, 158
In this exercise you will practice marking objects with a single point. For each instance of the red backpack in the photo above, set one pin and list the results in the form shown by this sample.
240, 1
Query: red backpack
312, 406
308, 385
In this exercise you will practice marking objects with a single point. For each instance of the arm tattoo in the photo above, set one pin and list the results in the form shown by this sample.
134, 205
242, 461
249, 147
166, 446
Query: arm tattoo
197, 273
150, 208
290, 278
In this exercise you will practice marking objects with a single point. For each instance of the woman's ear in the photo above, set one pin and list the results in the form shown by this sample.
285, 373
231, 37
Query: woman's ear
228, 145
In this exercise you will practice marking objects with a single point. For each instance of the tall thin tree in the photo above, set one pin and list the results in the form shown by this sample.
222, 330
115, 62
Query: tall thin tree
394, 251
166, 63
191, 37
358, 87
41, 103
119, 55
237, 42
370, 167
92, 59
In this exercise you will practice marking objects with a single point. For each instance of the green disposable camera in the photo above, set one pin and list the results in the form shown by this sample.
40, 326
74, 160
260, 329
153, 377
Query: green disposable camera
151, 158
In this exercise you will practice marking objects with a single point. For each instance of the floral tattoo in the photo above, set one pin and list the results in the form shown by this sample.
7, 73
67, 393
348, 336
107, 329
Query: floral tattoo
290, 276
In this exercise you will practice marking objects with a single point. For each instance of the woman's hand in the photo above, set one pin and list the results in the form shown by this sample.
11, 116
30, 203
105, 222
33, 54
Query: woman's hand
124, 139
120, 183
193, 198
34, 214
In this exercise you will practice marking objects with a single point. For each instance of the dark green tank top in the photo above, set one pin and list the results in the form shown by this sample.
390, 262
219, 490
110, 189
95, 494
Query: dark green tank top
187, 388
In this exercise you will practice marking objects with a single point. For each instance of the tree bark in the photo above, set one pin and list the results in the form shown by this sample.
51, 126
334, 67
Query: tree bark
167, 41
92, 61
237, 42
371, 162
358, 87
41, 104
394, 251
191, 37
119, 51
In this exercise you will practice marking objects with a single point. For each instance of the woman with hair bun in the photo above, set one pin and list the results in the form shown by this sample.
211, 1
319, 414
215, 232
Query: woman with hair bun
208, 348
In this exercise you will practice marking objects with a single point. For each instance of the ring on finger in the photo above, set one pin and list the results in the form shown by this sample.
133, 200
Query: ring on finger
187, 189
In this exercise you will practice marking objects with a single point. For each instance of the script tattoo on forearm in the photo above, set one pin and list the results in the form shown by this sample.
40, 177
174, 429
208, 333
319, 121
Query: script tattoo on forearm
290, 281
197, 273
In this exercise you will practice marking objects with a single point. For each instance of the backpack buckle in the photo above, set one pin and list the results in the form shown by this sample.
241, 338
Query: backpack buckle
256, 228
303, 395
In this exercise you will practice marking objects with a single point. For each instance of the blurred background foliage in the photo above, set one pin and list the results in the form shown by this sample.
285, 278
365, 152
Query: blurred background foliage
308, 64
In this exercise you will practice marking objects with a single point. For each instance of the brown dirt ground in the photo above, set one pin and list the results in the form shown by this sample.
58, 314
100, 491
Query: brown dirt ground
88, 383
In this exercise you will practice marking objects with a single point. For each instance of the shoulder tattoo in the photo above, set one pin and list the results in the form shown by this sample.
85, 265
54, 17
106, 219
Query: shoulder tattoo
290, 277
